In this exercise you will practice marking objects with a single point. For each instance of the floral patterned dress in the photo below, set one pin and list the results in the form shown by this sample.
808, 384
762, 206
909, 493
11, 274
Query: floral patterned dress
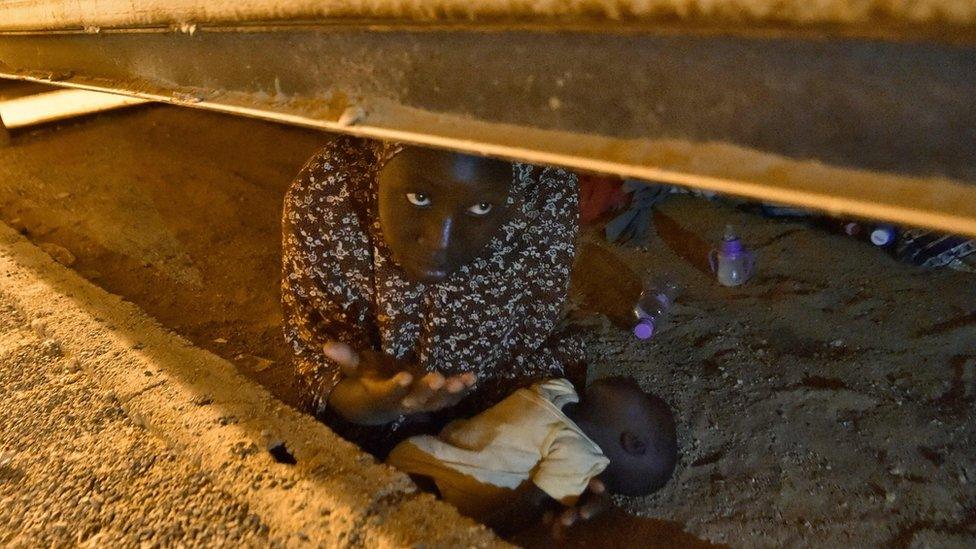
498, 316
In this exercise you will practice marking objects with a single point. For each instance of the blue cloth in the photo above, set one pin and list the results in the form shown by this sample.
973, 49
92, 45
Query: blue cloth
632, 225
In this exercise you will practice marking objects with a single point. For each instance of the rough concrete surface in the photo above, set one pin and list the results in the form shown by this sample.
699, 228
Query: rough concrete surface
75, 469
214, 429
47, 14
828, 402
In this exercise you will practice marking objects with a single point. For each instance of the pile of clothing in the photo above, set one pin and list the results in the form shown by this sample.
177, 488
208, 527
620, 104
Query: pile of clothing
631, 199
627, 206
931, 249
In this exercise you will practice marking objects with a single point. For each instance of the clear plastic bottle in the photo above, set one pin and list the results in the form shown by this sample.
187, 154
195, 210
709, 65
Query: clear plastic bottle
732, 263
883, 235
653, 306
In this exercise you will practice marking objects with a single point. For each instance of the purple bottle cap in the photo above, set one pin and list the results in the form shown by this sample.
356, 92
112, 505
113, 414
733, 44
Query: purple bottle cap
732, 247
644, 329
731, 244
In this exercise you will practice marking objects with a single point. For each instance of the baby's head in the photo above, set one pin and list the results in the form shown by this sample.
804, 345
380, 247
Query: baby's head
636, 432
438, 210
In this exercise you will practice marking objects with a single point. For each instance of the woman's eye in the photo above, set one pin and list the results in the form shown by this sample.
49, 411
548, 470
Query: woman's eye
481, 208
418, 199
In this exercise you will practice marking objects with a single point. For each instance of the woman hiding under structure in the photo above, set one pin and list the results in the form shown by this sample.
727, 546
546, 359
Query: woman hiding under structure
421, 285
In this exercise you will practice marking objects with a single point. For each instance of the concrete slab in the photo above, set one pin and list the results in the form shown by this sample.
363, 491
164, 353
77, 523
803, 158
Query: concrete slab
221, 423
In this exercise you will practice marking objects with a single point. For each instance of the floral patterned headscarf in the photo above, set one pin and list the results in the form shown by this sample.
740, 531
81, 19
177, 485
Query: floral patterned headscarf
497, 316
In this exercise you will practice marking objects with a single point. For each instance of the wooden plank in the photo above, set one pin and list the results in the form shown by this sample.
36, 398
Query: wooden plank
61, 104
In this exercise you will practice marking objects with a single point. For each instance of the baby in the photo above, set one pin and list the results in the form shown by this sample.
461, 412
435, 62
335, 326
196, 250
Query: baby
544, 445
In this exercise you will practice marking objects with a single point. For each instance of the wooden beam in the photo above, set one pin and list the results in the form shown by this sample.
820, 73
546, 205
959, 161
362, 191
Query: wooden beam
61, 104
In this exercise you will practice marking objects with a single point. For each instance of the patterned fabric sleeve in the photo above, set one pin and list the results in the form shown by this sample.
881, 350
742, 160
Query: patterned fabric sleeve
314, 311
562, 355
316, 375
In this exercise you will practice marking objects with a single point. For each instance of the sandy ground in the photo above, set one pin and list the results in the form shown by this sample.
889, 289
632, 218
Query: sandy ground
75, 471
307, 486
175, 210
829, 401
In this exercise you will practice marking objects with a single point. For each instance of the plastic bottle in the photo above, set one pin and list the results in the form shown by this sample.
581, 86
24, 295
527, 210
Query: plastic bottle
653, 306
732, 263
881, 235
850, 228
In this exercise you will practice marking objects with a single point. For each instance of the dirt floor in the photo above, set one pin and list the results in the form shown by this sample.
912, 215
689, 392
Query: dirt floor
828, 401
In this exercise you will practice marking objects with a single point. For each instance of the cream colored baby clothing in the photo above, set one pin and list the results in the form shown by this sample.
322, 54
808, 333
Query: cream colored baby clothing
478, 462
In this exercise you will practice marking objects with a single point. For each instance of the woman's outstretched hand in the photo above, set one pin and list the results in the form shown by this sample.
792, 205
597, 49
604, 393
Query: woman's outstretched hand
377, 388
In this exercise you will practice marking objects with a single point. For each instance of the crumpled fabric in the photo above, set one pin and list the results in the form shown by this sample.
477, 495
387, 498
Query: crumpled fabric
632, 226
598, 195
931, 249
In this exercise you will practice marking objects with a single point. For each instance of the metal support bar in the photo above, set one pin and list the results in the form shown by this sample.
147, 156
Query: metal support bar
760, 117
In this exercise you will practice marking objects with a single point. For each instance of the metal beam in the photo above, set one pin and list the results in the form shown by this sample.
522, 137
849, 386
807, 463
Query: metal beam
696, 109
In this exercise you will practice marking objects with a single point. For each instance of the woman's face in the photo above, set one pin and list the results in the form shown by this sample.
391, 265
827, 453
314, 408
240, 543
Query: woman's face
438, 210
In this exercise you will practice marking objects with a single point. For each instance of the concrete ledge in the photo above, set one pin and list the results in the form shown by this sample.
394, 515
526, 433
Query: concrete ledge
33, 15
200, 405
